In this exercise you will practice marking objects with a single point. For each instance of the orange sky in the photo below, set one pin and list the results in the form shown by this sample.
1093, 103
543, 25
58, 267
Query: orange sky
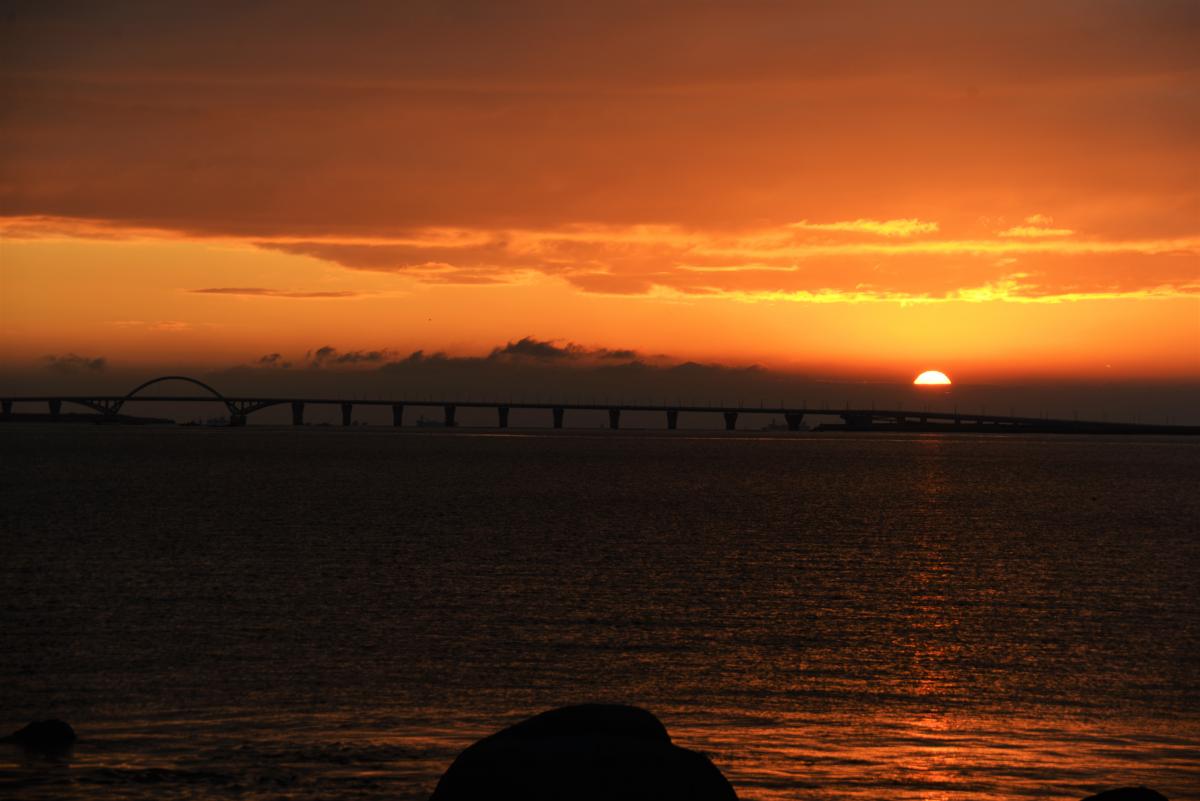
1001, 191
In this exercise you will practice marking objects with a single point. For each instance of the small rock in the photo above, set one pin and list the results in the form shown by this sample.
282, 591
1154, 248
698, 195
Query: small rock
590, 752
45, 736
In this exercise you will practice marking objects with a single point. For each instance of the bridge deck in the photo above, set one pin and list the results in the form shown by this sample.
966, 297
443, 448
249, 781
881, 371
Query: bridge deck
852, 416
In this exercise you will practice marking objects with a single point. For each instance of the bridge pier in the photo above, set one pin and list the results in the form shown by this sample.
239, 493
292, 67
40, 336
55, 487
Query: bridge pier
730, 420
857, 422
672, 419
237, 419
297, 413
449, 409
6, 408
558, 412
794, 420
347, 413
614, 418
502, 411
55, 407
397, 414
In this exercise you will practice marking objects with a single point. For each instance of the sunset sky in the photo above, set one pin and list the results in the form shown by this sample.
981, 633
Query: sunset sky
1008, 192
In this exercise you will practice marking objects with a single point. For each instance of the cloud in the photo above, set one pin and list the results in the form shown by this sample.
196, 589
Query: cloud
768, 262
358, 356
1036, 226
529, 348
763, 262
276, 293
158, 325
366, 122
71, 363
528, 351
902, 228
273, 360
1033, 231
535, 349
602, 283
328, 355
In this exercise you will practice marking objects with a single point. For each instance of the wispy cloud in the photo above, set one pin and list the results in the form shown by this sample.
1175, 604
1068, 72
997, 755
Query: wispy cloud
1036, 226
890, 260
1005, 290
1034, 232
327, 355
549, 350
276, 293
153, 325
273, 360
72, 363
526, 350
902, 227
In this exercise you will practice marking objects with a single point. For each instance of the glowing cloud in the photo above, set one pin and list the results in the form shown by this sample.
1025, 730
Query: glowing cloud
261, 292
1036, 226
902, 227
793, 262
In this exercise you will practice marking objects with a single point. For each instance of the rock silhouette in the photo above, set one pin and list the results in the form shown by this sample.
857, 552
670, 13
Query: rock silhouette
1128, 794
44, 736
589, 752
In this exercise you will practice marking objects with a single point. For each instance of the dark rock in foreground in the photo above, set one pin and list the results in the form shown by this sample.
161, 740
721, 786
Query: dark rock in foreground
1128, 794
44, 736
591, 752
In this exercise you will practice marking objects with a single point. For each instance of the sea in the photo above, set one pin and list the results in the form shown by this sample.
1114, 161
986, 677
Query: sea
329, 613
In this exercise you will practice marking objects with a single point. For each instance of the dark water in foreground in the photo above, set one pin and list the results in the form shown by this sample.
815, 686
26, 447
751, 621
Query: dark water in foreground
268, 613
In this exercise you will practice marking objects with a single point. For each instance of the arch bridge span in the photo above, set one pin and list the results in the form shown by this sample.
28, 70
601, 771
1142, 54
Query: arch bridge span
111, 405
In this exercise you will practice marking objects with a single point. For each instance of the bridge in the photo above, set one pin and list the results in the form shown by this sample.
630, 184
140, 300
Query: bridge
856, 419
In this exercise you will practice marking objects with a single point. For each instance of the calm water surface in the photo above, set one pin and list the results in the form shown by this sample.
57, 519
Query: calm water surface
269, 613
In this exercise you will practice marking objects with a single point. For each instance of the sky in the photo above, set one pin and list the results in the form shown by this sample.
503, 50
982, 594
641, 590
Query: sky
843, 193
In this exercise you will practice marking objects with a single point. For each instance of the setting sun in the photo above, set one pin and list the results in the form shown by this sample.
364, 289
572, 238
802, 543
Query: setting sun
931, 377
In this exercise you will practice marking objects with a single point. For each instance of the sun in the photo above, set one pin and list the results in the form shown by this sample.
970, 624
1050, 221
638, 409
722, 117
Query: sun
932, 378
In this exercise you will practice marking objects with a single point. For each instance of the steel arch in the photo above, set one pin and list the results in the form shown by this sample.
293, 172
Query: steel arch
217, 395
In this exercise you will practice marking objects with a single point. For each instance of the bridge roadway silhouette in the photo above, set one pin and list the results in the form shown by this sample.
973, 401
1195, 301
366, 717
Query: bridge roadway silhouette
853, 419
